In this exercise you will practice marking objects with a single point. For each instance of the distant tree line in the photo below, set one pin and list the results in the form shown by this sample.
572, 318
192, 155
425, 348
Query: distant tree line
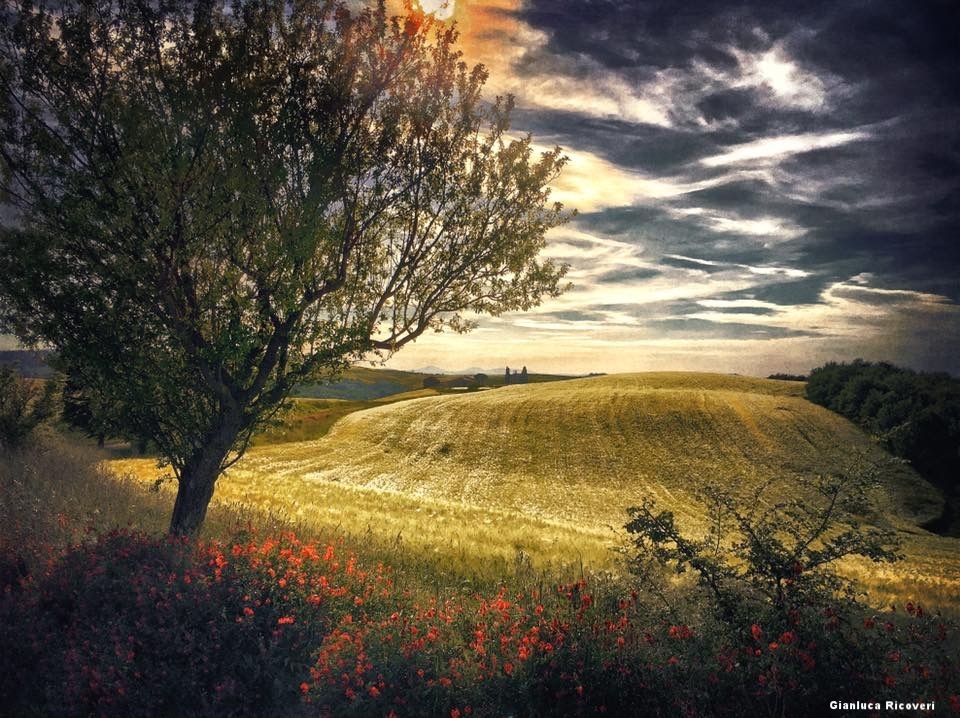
915, 415
29, 364
788, 377
475, 381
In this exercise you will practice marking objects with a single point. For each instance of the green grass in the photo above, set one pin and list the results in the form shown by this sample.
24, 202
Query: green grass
309, 419
546, 471
363, 384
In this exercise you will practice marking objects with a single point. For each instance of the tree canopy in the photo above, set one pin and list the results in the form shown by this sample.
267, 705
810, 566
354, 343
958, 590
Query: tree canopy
207, 205
915, 415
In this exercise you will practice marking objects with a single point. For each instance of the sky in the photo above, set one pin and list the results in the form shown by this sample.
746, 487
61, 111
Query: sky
762, 186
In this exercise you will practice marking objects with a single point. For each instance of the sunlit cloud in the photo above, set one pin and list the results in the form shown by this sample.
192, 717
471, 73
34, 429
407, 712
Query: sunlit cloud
604, 94
770, 271
770, 227
790, 272
575, 84
773, 229
739, 304
440, 9
781, 78
741, 189
776, 148
589, 183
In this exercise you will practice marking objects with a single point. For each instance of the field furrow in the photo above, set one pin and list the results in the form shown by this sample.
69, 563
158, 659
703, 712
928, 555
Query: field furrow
547, 468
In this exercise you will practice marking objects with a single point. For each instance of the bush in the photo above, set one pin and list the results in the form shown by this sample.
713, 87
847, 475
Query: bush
128, 624
24, 404
774, 611
134, 625
768, 555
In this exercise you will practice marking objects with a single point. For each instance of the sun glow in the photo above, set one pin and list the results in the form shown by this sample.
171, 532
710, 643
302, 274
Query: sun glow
440, 9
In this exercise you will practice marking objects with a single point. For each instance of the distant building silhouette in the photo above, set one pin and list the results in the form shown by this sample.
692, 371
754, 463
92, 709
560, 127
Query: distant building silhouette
517, 377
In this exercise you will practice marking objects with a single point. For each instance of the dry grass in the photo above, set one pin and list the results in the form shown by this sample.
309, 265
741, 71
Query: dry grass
546, 471
58, 490
54, 490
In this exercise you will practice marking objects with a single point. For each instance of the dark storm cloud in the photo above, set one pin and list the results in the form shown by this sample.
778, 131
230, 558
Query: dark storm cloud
748, 194
821, 137
681, 241
850, 38
793, 292
906, 49
629, 144
645, 34
574, 315
768, 311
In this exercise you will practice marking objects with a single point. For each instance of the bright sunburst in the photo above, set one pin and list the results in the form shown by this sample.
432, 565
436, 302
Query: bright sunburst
440, 9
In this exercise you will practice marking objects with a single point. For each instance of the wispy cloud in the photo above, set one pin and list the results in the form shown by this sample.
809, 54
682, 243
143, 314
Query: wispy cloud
755, 194
776, 148
590, 183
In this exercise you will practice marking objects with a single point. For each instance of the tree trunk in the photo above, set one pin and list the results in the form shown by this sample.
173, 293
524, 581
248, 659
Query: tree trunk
193, 496
199, 477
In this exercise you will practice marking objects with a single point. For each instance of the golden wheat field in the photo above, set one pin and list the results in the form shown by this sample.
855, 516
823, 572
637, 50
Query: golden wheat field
546, 471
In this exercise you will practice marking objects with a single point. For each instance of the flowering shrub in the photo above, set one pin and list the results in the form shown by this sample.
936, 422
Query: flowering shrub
132, 625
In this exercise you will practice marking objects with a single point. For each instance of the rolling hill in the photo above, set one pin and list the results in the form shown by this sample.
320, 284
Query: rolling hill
549, 469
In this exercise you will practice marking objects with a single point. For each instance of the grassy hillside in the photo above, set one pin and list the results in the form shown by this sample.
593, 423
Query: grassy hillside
363, 384
369, 384
309, 419
548, 469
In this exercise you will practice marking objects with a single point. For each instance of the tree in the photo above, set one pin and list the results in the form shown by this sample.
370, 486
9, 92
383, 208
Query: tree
214, 205
914, 415
83, 406
24, 405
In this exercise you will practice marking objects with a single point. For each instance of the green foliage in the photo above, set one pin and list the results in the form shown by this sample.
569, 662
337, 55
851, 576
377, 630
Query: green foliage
764, 557
24, 405
788, 377
86, 407
915, 415
773, 609
215, 206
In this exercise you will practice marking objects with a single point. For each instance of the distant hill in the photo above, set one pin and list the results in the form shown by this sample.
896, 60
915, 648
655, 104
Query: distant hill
30, 363
469, 371
583, 449
547, 470
369, 384
364, 384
